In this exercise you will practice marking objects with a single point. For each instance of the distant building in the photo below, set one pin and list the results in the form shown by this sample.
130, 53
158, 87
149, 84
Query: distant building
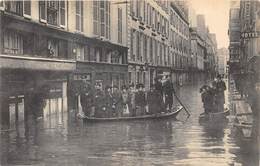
159, 41
234, 37
222, 60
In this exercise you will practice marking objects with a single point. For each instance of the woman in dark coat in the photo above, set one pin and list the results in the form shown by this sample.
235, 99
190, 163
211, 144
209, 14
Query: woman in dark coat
155, 101
108, 102
140, 100
117, 101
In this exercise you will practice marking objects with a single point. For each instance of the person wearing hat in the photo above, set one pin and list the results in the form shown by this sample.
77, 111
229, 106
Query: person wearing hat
108, 102
125, 100
154, 101
168, 91
207, 97
86, 99
140, 100
132, 94
117, 102
99, 100
220, 87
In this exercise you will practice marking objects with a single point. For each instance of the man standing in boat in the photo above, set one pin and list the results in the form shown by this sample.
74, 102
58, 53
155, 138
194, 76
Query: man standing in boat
86, 99
98, 101
168, 91
219, 96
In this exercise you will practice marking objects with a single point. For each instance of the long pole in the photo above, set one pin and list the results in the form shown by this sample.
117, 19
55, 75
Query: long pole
182, 104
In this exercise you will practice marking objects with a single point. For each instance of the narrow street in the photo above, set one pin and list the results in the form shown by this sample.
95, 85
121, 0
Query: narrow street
62, 139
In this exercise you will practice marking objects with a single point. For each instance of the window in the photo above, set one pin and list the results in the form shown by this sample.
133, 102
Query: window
145, 48
79, 15
133, 45
1, 4
53, 12
151, 50
15, 7
87, 53
79, 52
27, 8
52, 48
101, 18
13, 42
120, 25
43, 13
62, 13
115, 57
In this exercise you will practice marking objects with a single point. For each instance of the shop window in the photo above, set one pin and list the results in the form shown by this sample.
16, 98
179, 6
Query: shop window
13, 43
52, 48
79, 15
87, 53
79, 52
115, 57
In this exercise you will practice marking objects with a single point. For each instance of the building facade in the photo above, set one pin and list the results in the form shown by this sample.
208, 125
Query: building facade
159, 41
234, 37
75, 36
203, 48
222, 60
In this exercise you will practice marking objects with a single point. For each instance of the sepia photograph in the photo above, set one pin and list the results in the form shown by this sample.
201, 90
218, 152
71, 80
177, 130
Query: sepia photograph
129, 82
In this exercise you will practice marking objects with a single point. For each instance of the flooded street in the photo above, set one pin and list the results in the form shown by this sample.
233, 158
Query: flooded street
59, 138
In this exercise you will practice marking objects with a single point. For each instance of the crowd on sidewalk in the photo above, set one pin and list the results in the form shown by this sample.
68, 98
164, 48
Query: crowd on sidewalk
129, 101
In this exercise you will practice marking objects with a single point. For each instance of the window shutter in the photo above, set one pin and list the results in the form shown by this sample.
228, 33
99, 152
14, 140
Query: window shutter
27, 8
62, 12
42, 6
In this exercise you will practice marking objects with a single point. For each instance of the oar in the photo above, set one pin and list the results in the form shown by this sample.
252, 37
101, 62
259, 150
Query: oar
181, 104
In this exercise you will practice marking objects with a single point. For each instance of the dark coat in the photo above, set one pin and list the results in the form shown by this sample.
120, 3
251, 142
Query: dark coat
208, 99
155, 101
86, 99
140, 99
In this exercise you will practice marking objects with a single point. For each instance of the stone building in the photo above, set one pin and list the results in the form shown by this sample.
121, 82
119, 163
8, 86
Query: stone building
159, 41
53, 35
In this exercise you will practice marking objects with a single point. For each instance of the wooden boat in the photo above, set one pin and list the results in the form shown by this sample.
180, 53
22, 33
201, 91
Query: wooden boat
214, 117
172, 114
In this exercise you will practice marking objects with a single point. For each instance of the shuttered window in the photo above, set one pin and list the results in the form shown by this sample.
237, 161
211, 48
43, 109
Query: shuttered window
27, 8
62, 13
101, 18
43, 11
79, 15
120, 25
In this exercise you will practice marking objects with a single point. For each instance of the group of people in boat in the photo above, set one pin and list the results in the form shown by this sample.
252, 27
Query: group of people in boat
129, 101
213, 96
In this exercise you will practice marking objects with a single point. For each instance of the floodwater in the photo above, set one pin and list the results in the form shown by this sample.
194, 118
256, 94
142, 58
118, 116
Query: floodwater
54, 136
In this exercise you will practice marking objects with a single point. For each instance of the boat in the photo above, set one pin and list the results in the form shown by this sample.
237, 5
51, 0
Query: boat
214, 117
172, 114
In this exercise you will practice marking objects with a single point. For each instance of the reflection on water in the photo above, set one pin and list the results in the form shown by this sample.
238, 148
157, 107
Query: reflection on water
44, 131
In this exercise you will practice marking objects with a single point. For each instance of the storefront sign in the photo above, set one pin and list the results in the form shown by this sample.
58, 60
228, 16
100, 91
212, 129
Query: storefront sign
82, 77
249, 35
